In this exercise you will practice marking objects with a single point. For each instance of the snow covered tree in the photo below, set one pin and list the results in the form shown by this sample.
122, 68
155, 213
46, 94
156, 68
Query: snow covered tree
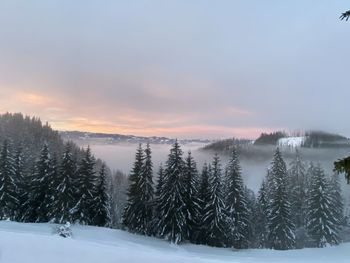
204, 200
337, 206
322, 225
216, 218
236, 203
262, 212
21, 183
86, 184
138, 211
280, 226
41, 187
64, 189
156, 201
173, 209
192, 201
298, 190
102, 215
8, 188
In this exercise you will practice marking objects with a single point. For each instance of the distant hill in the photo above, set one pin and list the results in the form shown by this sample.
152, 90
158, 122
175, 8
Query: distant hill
105, 138
257, 148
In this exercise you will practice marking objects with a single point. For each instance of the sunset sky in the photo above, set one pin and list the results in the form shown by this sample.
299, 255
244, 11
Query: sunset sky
185, 68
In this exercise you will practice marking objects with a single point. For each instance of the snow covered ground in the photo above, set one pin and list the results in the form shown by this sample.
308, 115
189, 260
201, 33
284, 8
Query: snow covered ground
36, 243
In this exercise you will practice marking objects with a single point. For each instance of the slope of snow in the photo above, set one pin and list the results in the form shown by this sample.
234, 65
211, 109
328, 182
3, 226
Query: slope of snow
291, 142
36, 243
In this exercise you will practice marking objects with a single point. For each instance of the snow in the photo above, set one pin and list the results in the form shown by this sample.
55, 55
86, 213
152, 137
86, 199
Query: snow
291, 142
37, 243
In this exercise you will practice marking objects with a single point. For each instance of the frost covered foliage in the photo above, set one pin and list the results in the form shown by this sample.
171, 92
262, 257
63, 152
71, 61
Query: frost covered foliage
172, 207
8, 189
64, 230
216, 215
323, 222
137, 215
280, 226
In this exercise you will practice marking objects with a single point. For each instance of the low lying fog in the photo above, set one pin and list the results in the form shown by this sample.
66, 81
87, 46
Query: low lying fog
121, 157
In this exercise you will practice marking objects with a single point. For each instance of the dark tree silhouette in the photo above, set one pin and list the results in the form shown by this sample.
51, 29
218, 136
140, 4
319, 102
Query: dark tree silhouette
343, 166
345, 15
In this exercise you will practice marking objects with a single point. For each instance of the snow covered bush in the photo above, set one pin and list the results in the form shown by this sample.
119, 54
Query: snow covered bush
64, 230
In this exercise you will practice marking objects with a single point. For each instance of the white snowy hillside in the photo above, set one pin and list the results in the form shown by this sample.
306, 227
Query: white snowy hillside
293, 142
36, 243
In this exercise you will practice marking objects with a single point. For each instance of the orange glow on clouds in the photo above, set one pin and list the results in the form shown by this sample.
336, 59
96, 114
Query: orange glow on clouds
65, 114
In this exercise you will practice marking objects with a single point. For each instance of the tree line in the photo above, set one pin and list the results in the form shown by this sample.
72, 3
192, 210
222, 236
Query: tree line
296, 207
58, 189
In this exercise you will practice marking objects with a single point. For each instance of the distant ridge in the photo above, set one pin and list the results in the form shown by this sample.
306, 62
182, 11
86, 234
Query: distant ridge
105, 138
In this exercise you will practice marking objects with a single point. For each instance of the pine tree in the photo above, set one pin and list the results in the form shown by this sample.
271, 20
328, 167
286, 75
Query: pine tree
298, 190
281, 229
323, 226
21, 183
337, 206
192, 200
262, 214
8, 188
41, 188
236, 203
216, 214
102, 203
86, 183
64, 189
157, 201
204, 200
146, 185
137, 215
173, 210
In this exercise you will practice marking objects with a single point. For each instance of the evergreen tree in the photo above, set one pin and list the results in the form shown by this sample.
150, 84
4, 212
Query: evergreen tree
192, 201
157, 201
138, 211
146, 185
262, 214
298, 190
337, 206
21, 183
173, 209
204, 200
64, 196
86, 183
215, 219
236, 203
323, 226
281, 229
8, 188
41, 187
102, 204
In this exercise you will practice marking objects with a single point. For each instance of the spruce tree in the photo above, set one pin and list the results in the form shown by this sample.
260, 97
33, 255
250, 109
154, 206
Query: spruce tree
173, 209
137, 215
215, 219
323, 226
281, 228
64, 189
102, 203
262, 212
21, 183
298, 190
86, 184
236, 203
157, 201
146, 185
8, 188
337, 206
204, 200
192, 200
41, 187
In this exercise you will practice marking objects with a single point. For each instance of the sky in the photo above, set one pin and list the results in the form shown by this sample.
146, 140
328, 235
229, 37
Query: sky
184, 68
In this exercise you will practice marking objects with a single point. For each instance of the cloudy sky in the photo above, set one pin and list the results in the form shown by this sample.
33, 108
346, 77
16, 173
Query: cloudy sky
184, 68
